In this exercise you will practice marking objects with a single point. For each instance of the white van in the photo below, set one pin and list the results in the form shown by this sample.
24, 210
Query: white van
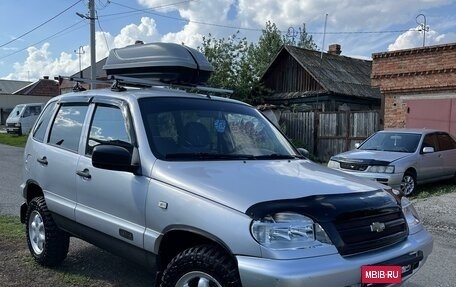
22, 118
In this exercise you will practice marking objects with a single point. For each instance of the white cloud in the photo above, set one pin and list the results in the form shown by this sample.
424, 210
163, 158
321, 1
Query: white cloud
414, 38
40, 61
200, 18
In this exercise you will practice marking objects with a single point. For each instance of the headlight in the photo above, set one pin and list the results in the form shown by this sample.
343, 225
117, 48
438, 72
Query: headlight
17, 124
287, 230
409, 212
333, 164
381, 169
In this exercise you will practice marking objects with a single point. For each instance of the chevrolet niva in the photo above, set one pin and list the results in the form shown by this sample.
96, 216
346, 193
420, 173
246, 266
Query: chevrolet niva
202, 189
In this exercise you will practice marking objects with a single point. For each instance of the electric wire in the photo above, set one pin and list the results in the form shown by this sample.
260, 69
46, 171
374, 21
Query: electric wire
102, 31
43, 40
136, 10
39, 26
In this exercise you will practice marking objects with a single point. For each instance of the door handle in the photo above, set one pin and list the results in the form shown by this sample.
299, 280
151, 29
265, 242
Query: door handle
84, 173
42, 160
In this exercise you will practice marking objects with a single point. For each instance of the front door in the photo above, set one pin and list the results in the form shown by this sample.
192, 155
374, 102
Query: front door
111, 201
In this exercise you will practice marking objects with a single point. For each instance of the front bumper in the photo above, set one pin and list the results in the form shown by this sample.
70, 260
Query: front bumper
331, 270
14, 130
391, 179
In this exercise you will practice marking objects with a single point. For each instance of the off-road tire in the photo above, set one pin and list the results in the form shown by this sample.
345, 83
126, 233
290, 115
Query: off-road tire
53, 248
205, 261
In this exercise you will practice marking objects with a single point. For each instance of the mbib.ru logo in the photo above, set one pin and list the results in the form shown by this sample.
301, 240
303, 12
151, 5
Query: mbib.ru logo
381, 274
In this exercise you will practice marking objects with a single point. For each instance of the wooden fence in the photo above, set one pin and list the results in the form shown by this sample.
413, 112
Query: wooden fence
325, 134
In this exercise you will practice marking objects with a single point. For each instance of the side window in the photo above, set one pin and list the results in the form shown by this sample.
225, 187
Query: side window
446, 142
430, 141
27, 112
67, 127
43, 122
108, 127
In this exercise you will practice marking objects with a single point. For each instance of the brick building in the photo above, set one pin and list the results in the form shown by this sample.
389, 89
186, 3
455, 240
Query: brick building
418, 87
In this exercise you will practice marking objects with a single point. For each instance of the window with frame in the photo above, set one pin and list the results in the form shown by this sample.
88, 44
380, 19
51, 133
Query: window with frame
446, 142
43, 122
108, 127
67, 126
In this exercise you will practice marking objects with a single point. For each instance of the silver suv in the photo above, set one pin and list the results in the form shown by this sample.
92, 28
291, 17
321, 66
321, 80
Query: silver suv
205, 191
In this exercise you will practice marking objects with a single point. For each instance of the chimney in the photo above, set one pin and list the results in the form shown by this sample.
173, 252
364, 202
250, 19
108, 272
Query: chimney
334, 49
46, 77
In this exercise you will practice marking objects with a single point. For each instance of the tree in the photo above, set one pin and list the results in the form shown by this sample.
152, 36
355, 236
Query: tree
304, 39
229, 58
265, 50
239, 65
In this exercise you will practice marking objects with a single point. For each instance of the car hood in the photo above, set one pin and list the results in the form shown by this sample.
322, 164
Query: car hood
369, 156
240, 184
12, 119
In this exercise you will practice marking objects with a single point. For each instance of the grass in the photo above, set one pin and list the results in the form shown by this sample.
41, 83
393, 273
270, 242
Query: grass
435, 189
13, 140
11, 228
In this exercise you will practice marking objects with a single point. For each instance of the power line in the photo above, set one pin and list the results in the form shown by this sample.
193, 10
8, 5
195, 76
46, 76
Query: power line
39, 42
135, 10
39, 26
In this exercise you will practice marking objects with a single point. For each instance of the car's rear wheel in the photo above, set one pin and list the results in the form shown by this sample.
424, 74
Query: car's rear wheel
201, 266
408, 184
47, 243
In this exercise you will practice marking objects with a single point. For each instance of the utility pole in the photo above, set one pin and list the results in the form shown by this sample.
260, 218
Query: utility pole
92, 44
91, 17
79, 52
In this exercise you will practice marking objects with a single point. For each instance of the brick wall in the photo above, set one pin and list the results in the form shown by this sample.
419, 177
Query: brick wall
412, 71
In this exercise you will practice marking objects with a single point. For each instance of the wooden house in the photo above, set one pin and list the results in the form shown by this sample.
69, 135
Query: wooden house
313, 80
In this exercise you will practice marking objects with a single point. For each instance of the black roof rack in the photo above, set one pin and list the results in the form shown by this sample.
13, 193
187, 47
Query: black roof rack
118, 84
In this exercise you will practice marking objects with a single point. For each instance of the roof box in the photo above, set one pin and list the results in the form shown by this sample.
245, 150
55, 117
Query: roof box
166, 62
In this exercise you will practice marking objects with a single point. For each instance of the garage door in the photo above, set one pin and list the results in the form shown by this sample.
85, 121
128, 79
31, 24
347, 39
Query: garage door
433, 114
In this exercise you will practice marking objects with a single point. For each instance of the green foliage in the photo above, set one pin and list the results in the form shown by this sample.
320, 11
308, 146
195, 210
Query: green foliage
239, 65
304, 40
13, 140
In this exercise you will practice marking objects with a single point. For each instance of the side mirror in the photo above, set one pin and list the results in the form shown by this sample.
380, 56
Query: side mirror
112, 157
357, 145
303, 152
428, 149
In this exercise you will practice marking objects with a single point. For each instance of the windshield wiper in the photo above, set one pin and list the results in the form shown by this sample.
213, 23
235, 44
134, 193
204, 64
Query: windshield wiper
207, 156
276, 156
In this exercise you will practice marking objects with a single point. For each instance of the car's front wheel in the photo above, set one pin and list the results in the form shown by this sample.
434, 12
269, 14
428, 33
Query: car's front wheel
47, 243
201, 266
408, 184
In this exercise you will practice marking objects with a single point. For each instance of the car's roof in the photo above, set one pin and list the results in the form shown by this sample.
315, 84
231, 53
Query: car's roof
135, 93
411, 131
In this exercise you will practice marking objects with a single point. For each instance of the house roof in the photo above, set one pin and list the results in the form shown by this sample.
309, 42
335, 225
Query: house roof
42, 87
335, 73
86, 74
10, 86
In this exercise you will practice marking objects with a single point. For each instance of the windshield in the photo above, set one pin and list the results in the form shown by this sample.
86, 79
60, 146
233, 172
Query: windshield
392, 141
16, 111
209, 129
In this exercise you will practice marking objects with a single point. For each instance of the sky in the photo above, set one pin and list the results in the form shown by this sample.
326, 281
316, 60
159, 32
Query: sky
47, 37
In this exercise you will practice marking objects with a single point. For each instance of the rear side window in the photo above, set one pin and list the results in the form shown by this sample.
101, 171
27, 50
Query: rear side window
67, 127
43, 122
446, 142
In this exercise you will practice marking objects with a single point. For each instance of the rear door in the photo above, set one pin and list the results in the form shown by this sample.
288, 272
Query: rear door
447, 146
112, 202
58, 158
431, 164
